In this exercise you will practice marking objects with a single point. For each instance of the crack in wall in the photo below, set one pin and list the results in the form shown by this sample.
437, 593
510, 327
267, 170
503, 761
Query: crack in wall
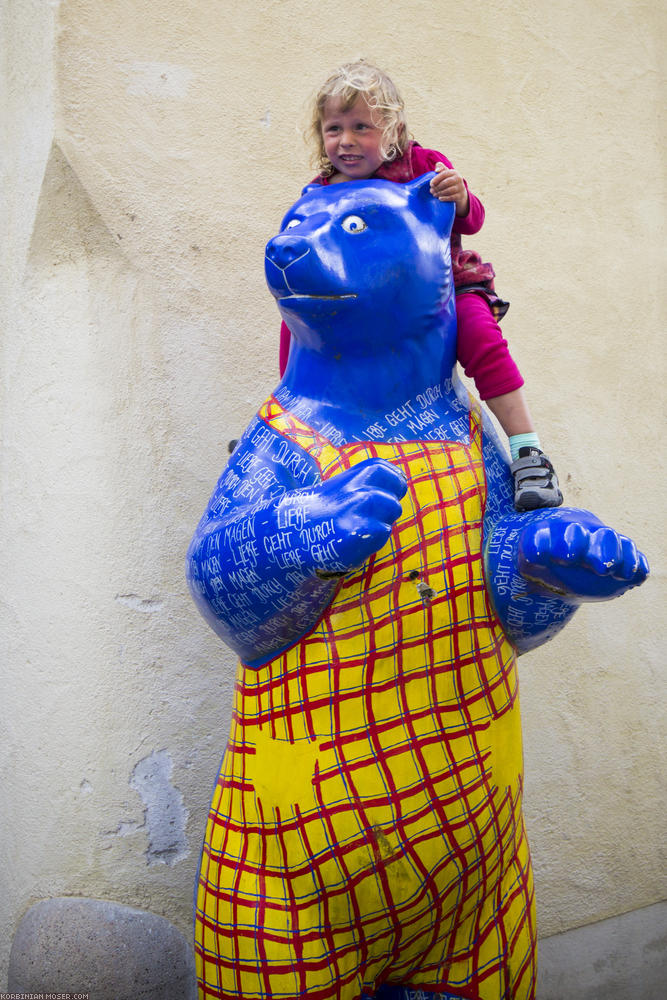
137, 603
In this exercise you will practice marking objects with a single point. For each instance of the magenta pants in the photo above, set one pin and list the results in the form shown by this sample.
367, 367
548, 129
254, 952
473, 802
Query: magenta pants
481, 349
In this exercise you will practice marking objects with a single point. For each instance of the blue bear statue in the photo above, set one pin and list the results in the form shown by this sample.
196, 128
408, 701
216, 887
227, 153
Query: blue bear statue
362, 556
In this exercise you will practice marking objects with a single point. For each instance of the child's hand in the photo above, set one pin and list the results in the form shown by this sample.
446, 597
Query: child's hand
450, 186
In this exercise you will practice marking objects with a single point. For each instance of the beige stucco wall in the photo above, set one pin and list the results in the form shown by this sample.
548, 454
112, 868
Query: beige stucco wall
150, 151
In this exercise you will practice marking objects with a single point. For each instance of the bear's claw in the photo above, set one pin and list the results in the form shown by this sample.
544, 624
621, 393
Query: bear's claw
580, 559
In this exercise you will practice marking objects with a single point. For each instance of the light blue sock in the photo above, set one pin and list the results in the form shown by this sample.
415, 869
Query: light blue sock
523, 441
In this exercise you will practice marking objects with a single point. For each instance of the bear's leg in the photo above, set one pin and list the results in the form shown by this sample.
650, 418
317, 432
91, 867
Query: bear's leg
270, 957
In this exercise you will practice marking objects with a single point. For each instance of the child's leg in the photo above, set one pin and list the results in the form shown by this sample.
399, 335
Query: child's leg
511, 412
485, 356
283, 352
482, 350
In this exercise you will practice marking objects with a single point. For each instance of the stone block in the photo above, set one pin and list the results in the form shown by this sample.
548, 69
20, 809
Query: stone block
108, 950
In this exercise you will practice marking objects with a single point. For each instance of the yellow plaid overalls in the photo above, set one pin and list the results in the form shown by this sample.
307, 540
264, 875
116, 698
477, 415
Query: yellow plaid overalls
366, 826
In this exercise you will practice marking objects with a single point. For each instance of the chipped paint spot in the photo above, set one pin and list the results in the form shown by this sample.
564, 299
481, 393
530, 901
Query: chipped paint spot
157, 79
125, 829
425, 592
165, 815
145, 604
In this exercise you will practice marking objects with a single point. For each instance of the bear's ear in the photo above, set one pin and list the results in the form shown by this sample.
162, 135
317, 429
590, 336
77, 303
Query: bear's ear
310, 187
424, 204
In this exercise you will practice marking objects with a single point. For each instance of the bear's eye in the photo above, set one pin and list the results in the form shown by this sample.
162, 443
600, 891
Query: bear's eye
292, 223
353, 224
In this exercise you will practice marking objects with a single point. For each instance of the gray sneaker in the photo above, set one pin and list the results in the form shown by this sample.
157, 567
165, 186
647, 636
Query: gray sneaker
535, 481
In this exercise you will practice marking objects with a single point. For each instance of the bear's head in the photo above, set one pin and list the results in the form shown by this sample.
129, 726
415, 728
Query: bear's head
357, 267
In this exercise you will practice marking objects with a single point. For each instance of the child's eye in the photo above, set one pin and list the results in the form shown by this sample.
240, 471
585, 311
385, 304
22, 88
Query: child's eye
353, 224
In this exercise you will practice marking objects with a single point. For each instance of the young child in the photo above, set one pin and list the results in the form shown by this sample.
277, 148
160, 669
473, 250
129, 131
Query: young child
359, 130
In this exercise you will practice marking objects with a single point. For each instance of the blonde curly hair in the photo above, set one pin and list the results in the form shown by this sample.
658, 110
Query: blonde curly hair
347, 84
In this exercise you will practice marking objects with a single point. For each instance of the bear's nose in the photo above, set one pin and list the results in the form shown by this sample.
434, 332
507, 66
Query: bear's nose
283, 250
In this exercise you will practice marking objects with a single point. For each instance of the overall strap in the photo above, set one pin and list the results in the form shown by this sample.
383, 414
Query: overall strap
292, 427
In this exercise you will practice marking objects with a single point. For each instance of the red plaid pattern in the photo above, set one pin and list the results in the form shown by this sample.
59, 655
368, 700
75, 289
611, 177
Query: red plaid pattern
366, 826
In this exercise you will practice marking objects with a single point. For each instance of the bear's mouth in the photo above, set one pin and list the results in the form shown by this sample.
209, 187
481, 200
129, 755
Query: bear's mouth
308, 295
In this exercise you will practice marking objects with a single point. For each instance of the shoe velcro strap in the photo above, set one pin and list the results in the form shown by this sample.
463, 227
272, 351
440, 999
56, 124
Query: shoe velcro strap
531, 462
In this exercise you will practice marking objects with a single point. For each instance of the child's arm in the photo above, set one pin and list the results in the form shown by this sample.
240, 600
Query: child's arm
448, 185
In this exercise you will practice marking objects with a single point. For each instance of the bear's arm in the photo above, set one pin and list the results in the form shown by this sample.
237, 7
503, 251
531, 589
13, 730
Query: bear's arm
243, 564
541, 566
268, 555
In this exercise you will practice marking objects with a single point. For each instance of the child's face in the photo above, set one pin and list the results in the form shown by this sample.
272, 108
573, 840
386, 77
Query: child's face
352, 139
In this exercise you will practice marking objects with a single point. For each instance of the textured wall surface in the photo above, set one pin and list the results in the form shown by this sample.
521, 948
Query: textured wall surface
150, 150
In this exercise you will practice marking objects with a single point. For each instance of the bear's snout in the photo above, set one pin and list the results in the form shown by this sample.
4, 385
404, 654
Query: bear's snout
285, 249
